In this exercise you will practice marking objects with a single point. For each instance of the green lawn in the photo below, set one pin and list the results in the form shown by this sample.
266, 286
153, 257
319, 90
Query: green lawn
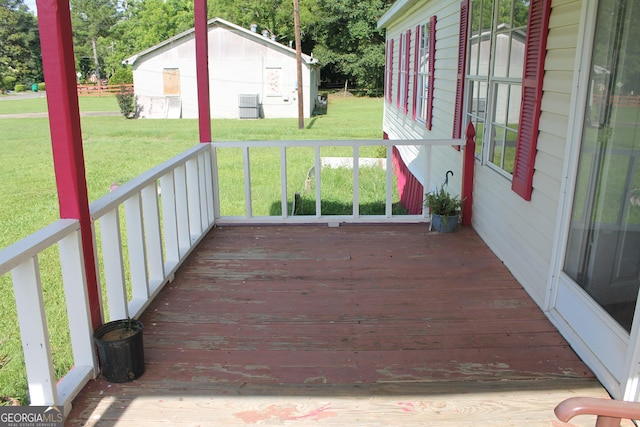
116, 150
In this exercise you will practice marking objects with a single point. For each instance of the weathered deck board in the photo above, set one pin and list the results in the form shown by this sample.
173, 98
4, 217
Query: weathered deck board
350, 326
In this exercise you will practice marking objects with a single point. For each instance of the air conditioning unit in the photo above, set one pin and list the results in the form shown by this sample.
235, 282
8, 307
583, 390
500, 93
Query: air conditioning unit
249, 106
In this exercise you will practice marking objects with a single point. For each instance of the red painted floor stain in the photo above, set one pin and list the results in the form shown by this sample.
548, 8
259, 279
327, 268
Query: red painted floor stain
285, 413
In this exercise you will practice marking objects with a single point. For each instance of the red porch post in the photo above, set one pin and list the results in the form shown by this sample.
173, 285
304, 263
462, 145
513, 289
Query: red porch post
202, 69
54, 22
468, 167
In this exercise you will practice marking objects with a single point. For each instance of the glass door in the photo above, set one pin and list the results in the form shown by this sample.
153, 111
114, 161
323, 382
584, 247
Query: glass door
600, 277
603, 251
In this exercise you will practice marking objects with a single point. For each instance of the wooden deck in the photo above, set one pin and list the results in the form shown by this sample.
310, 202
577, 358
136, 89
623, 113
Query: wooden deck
377, 325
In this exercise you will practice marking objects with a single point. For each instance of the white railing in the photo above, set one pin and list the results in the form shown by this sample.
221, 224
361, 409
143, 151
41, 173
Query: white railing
22, 260
355, 217
162, 228
166, 212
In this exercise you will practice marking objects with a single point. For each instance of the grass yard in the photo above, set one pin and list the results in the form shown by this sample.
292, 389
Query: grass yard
116, 150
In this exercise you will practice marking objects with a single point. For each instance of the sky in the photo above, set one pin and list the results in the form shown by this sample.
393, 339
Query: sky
31, 4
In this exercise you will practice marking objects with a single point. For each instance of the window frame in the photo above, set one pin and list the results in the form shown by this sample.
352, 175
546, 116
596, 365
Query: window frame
528, 85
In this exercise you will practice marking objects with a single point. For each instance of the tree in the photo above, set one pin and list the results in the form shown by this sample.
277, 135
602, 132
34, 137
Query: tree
92, 23
274, 16
20, 59
349, 45
147, 23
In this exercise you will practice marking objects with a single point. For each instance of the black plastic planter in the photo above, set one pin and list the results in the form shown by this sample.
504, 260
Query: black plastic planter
120, 350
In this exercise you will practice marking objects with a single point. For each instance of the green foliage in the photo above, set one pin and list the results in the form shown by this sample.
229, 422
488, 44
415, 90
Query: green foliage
147, 23
441, 202
122, 75
93, 21
126, 100
19, 87
20, 46
7, 83
41, 87
349, 44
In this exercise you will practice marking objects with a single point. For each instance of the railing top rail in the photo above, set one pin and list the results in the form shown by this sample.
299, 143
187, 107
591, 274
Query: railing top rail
336, 143
110, 201
32, 245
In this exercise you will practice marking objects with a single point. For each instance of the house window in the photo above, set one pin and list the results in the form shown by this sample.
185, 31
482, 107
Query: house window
426, 70
497, 39
423, 72
403, 76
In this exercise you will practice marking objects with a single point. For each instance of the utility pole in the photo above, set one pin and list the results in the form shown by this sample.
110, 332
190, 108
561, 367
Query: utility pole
296, 23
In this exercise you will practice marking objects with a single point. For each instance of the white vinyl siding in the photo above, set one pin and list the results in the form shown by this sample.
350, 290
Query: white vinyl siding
524, 236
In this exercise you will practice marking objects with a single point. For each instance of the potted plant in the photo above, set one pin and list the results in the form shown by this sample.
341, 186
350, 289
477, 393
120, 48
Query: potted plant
120, 350
444, 210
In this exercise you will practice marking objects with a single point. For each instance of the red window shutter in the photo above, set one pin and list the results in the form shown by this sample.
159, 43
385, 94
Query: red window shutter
399, 71
390, 96
416, 64
532, 77
405, 101
458, 114
432, 70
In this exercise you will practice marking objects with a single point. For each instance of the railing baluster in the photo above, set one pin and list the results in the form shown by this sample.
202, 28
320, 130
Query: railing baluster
356, 181
317, 170
27, 288
208, 170
137, 256
76, 296
152, 235
182, 210
114, 265
247, 182
202, 191
216, 182
283, 182
169, 221
427, 179
193, 195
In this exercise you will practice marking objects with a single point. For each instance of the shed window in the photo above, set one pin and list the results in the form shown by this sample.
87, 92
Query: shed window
171, 81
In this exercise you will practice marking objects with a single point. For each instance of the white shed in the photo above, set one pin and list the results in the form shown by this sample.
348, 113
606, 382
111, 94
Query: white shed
250, 76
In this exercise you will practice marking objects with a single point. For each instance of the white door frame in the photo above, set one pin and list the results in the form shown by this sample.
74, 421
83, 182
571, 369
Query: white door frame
610, 352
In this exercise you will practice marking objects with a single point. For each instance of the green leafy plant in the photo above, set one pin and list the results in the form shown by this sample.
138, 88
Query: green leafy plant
441, 202
125, 99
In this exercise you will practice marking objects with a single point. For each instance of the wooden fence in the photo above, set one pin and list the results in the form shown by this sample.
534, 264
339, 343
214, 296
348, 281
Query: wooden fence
102, 90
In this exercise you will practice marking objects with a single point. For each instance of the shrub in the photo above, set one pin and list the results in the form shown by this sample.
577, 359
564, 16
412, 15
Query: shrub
7, 83
19, 87
122, 75
126, 99
41, 87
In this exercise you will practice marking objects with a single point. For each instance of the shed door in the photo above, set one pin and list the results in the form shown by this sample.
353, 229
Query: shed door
171, 79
